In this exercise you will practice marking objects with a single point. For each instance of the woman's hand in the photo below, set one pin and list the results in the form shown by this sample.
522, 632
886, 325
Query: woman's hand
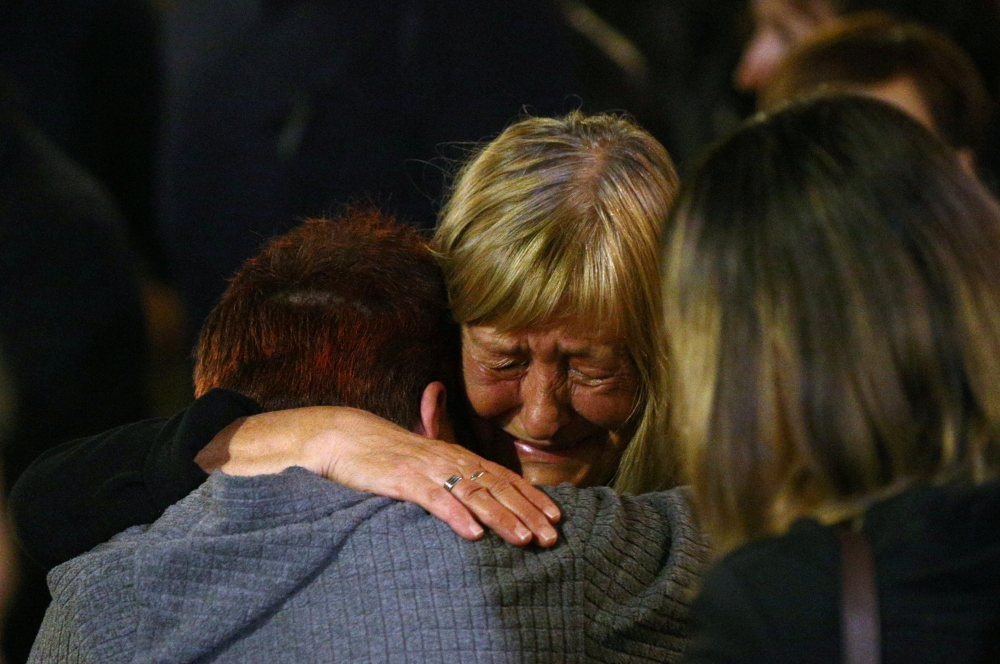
365, 452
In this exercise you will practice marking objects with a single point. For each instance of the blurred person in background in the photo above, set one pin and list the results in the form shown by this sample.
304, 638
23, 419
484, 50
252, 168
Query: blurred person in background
832, 294
778, 25
72, 328
88, 73
917, 69
974, 25
302, 105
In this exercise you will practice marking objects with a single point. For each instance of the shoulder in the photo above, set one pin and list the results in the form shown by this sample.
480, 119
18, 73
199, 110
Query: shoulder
775, 599
602, 505
94, 602
642, 558
661, 523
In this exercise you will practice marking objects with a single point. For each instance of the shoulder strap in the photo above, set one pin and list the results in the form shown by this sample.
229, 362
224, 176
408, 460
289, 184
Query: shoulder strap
859, 614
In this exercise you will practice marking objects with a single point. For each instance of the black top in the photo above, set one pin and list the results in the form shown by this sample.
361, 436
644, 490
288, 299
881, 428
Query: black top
937, 558
72, 327
83, 492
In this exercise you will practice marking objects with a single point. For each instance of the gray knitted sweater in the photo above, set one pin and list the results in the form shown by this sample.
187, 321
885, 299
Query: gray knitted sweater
293, 568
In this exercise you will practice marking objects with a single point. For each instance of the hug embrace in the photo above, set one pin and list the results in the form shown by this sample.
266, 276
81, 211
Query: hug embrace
806, 335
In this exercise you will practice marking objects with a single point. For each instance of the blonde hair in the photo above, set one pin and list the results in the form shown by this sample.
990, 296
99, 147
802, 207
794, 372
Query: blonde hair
560, 218
832, 294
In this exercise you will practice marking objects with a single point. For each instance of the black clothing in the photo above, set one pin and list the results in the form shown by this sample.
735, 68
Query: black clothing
72, 326
84, 492
937, 559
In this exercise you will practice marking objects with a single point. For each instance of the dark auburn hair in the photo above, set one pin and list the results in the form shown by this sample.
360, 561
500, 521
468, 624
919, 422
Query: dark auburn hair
350, 312
832, 298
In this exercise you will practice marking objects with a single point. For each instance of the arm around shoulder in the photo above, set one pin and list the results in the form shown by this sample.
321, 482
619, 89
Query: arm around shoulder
82, 493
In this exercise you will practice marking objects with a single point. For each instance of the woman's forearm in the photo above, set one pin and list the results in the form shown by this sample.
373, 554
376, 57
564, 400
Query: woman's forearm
367, 453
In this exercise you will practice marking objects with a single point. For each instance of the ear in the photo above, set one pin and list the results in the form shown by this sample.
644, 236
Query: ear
433, 416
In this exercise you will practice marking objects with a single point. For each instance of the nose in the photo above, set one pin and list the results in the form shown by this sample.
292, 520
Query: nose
758, 63
545, 404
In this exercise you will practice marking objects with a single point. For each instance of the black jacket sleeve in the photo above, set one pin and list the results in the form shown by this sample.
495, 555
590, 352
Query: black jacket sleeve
82, 493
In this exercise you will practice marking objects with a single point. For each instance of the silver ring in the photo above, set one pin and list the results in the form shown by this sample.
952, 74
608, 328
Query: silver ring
476, 475
452, 481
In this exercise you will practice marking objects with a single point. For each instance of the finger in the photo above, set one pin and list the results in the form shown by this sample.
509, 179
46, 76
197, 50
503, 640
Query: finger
494, 498
465, 516
492, 513
510, 495
529, 505
470, 463
443, 505
533, 494
433, 497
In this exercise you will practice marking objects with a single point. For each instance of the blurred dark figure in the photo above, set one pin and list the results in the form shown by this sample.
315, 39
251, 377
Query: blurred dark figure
778, 25
87, 73
303, 104
974, 25
906, 64
72, 331
8, 566
667, 62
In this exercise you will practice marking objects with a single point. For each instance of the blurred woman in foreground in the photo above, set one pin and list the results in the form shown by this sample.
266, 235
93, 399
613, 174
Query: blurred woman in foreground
832, 295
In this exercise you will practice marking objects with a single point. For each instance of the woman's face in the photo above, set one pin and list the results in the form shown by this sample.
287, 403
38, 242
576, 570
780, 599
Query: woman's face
778, 26
563, 394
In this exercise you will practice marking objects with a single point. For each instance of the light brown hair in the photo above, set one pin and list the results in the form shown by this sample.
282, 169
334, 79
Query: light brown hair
832, 295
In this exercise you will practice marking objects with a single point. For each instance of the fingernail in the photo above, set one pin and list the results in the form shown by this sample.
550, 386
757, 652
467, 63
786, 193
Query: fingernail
548, 536
522, 533
552, 513
477, 530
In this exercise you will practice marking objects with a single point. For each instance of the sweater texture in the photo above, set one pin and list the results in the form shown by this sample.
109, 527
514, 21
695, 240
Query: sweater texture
293, 568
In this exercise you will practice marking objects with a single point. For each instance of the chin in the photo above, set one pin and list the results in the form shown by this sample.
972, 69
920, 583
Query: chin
547, 474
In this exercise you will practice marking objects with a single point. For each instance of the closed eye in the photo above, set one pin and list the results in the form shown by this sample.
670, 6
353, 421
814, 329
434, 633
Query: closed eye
508, 366
590, 376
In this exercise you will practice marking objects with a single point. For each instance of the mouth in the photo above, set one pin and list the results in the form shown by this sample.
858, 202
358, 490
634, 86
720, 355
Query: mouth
531, 453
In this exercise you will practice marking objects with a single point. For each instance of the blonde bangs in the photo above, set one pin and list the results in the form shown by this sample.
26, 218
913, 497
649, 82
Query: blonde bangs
520, 282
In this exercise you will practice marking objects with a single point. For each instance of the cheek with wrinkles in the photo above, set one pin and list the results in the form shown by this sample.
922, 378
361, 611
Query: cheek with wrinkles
609, 405
490, 398
609, 414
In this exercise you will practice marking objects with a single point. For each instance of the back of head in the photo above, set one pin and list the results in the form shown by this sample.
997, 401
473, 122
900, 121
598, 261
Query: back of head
832, 291
560, 218
349, 312
871, 49
972, 24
